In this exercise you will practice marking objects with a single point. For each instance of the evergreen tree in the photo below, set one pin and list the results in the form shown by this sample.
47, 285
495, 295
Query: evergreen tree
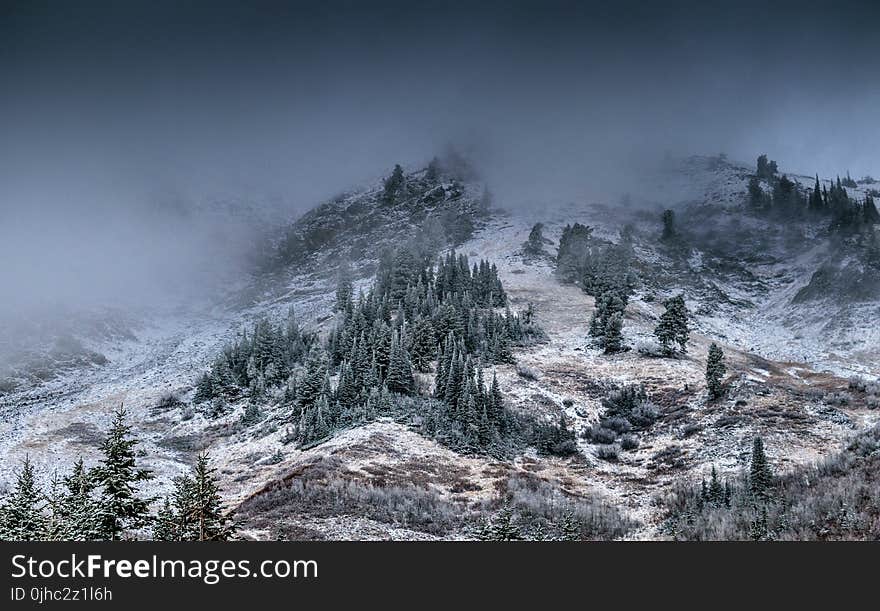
393, 184
766, 169
608, 304
715, 492
21, 517
212, 524
54, 503
312, 384
501, 528
175, 519
495, 402
673, 326
760, 474
83, 515
613, 336
715, 371
816, 204
534, 246
869, 211
165, 523
756, 193
119, 476
400, 376
423, 344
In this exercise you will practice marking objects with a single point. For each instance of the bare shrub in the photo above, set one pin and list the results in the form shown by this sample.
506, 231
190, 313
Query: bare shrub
651, 349
838, 399
321, 491
610, 452
616, 424
527, 372
599, 434
629, 442
539, 503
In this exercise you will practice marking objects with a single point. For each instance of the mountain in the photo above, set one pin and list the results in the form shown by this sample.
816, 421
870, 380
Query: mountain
792, 302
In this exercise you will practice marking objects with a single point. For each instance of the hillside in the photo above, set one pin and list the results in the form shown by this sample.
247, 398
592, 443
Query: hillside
767, 290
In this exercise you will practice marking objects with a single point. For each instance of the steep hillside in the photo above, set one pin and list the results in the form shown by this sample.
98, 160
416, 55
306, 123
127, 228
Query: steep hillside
752, 284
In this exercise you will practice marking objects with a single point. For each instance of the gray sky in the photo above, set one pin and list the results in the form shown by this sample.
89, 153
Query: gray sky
109, 111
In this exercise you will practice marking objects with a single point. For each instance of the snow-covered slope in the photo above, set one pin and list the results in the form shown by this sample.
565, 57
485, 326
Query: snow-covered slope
740, 275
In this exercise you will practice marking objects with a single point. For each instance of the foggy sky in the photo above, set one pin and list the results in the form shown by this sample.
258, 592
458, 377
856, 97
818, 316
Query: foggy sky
107, 111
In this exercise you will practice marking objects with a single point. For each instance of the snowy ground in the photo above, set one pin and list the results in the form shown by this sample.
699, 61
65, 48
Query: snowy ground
778, 376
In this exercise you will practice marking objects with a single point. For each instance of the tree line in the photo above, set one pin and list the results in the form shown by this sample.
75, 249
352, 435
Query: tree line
105, 502
786, 197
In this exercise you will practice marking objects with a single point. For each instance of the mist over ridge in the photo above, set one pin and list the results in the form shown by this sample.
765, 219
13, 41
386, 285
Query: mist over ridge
112, 112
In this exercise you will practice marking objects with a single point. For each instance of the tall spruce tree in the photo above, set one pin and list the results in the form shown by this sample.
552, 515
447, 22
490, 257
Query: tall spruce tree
423, 343
715, 371
84, 515
760, 474
673, 326
534, 246
207, 514
393, 184
613, 336
400, 376
118, 476
21, 517
715, 492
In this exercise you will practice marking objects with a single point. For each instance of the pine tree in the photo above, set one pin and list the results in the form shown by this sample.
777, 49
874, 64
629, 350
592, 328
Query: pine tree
400, 376
165, 523
312, 383
21, 517
816, 204
613, 336
534, 246
756, 193
212, 524
760, 474
83, 515
175, 520
766, 169
501, 528
423, 344
715, 371
869, 211
119, 476
54, 506
715, 493
673, 326
608, 303
393, 184
496, 402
